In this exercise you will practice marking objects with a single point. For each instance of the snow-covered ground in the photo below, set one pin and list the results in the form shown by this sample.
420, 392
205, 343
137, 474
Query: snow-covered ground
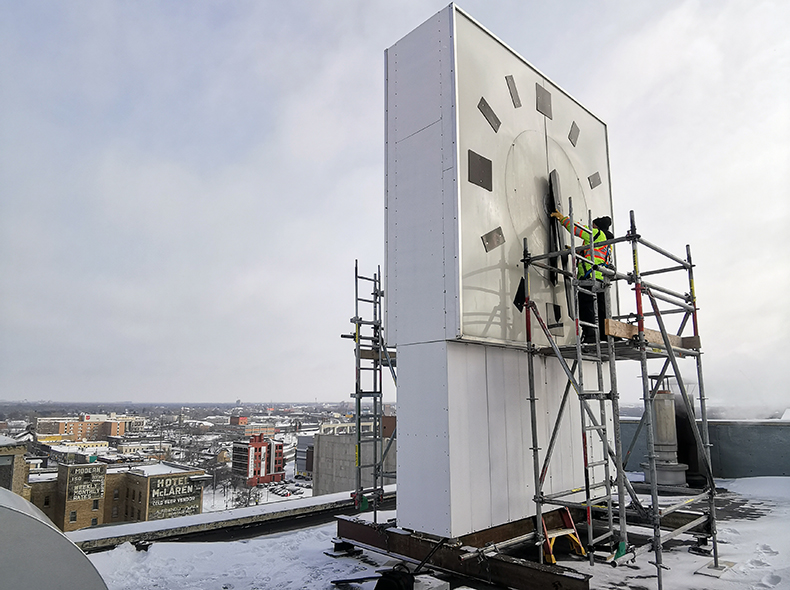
754, 539
285, 561
225, 497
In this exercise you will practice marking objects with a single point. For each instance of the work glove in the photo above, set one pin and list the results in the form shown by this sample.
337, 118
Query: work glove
556, 215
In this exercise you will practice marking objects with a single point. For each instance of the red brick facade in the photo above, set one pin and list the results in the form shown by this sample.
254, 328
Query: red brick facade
259, 460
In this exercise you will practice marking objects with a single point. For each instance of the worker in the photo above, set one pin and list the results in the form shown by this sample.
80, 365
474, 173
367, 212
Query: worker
586, 271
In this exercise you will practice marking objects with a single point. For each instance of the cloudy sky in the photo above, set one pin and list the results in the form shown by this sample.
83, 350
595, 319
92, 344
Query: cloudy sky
185, 186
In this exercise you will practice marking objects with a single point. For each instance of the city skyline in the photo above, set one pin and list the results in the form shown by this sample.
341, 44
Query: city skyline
186, 189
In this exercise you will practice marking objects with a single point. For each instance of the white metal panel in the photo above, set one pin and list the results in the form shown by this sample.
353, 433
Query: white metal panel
577, 163
520, 489
567, 463
464, 451
423, 439
522, 153
452, 291
490, 279
499, 451
420, 214
417, 67
415, 291
469, 446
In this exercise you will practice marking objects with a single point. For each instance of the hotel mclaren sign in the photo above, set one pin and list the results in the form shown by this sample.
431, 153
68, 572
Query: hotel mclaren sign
171, 496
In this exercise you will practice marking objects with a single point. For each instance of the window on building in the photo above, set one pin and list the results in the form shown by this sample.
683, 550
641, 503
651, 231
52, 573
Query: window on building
115, 512
132, 495
126, 512
46, 501
94, 521
138, 514
127, 492
73, 516
95, 505
116, 493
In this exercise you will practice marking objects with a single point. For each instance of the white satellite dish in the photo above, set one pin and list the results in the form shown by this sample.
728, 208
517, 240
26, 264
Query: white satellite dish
34, 554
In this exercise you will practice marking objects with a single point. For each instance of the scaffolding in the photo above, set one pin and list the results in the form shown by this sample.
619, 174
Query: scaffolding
599, 405
371, 355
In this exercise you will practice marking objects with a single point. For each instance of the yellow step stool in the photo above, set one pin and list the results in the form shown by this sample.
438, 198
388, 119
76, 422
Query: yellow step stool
563, 526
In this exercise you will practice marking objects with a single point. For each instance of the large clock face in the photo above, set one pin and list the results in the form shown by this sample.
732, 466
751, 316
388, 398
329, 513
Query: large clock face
514, 129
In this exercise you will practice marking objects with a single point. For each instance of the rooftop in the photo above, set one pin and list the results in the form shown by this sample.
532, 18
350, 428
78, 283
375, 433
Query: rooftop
162, 469
751, 538
7, 441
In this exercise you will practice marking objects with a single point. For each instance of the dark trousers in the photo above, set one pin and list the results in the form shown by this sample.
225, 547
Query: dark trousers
587, 314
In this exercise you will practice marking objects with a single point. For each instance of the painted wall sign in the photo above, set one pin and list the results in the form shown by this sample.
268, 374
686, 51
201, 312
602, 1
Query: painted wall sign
171, 496
86, 483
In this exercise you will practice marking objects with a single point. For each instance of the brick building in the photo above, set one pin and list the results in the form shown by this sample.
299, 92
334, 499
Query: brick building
239, 420
265, 430
79, 496
89, 426
13, 468
258, 460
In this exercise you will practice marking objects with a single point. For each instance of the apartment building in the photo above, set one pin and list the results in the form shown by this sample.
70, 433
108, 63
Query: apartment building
258, 460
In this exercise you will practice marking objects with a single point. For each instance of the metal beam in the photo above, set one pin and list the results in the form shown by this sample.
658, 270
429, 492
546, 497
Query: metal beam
497, 569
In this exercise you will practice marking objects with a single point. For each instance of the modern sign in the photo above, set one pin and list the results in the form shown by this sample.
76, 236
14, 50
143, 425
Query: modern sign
474, 134
86, 483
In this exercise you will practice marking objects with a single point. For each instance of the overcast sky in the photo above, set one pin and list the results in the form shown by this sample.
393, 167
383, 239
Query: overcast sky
184, 186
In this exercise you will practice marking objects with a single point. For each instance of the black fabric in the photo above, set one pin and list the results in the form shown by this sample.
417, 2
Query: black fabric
603, 223
395, 580
587, 314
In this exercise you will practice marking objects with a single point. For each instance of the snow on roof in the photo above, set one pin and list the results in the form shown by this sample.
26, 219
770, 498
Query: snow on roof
133, 528
163, 469
78, 449
786, 415
44, 476
758, 546
7, 441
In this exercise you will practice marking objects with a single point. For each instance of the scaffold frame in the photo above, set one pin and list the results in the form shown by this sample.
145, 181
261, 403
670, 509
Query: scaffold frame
371, 357
642, 344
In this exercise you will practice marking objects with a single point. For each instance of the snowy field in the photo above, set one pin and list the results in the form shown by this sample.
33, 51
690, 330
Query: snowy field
226, 497
755, 540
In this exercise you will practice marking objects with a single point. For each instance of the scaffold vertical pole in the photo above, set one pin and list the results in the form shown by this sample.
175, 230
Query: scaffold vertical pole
703, 411
533, 408
358, 388
648, 405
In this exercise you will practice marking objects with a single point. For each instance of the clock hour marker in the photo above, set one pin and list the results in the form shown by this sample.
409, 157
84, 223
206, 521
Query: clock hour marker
595, 180
489, 114
543, 100
511, 86
480, 171
573, 136
493, 239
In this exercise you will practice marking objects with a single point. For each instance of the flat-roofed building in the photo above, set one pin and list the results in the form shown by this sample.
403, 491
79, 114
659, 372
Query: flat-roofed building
258, 460
304, 456
80, 496
13, 468
89, 426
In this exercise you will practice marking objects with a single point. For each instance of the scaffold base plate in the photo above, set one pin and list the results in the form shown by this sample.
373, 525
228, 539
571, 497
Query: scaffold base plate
713, 571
